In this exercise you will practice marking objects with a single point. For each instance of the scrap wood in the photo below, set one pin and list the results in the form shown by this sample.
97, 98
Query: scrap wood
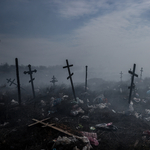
48, 124
56, 128
38, 122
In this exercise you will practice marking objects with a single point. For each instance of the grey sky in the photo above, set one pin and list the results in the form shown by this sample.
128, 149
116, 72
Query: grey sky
105, 34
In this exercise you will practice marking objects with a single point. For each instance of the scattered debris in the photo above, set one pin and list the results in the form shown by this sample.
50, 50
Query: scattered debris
79, 125
147, 111
131, 109
100, 99
76, 110
113, 111
138, 115
4, 124
137, 99
13, 102
92, 128
85, 117
92, 137
147, 118
43, 103
65, 140
101, 106
76, 148
107, 126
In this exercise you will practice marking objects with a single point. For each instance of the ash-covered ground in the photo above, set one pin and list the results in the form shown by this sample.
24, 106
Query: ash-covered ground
100, 118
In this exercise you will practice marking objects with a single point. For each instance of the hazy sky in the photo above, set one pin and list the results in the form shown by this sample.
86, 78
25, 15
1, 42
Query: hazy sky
107, 34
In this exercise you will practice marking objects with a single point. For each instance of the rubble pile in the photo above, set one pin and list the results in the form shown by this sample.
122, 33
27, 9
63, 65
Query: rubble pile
55, 121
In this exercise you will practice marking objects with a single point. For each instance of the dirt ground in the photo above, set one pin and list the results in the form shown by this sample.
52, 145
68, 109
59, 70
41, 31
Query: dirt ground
15, 133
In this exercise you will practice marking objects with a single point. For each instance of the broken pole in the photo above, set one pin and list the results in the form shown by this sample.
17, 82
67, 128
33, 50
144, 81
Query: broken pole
70, 76
132, 80
141, 73
54, 80
121, 75
31, 78
86, 67
18, 81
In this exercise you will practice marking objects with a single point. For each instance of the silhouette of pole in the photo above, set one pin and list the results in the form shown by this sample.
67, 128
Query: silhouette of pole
70, 76
18, 81
31, 78
54, 80
132, 80
86, 67
141, 73
121, 75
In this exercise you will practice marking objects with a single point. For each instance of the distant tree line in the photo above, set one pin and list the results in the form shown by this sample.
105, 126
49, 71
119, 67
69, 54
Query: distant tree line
6, 68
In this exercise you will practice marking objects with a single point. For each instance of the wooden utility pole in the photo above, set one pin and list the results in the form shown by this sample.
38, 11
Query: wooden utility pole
18, 81
86, 67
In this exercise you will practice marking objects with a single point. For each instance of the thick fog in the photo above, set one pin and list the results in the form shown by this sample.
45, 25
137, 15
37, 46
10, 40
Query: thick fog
43, 75
107, 36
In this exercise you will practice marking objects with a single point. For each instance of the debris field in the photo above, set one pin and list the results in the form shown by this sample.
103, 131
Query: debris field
97, 119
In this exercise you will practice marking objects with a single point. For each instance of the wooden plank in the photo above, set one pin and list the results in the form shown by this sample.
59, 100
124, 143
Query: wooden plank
132, 73
52, 124
38, 122
56, 128
67, 66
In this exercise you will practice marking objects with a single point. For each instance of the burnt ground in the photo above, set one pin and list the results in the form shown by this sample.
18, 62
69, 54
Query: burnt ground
16, 135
